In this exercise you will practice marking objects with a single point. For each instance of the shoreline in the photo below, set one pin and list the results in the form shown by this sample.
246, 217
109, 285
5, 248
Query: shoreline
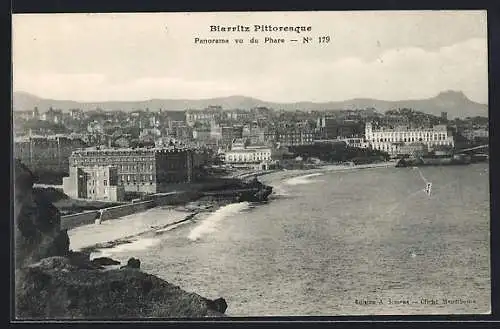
152, 222
326, 168
131, 238
191, 210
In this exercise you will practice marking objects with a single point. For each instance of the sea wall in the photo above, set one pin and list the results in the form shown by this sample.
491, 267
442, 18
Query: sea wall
155, 200
126, 209
69, 222
165, 199
162, 199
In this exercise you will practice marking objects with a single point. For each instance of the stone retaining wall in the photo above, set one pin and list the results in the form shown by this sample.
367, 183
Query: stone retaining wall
85, 218
126, 209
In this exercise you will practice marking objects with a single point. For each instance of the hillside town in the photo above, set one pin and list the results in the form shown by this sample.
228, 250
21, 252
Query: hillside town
103, 155
246, 165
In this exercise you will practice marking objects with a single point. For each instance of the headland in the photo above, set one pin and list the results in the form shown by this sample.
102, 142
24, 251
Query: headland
54, 282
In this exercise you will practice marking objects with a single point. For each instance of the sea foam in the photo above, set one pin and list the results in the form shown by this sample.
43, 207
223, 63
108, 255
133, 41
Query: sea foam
209, 225
136, 245
305, 179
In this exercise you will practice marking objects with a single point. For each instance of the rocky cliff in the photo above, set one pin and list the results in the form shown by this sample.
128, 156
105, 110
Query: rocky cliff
52, 282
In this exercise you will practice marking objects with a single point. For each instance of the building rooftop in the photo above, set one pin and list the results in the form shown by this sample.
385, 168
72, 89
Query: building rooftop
26, 138
164, 149
250, 150
407, 128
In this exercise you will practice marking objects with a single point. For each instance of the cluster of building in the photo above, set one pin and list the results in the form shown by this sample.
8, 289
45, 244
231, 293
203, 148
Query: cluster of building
109, 153
46, 153
108, 173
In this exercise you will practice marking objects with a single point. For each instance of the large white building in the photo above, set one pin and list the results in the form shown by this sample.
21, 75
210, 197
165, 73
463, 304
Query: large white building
391, 140
248, 155
241, 153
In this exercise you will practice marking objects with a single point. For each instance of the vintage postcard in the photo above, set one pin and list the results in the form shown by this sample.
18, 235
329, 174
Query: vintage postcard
243, 164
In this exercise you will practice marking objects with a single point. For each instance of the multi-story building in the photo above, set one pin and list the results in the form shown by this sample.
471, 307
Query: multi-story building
52, 115
289, 136
239, 115
243, 154
202, 135
390, 140
230, 133
154, 132
171, 124
144, 170
48, 153
94, 183
393, 120
261, 112
332, 127
184, 132
253, 133
77, 114
475, 133
36, 114
208, 116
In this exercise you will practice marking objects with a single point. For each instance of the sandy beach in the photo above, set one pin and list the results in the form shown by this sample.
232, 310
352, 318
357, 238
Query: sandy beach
271, 176
128, 226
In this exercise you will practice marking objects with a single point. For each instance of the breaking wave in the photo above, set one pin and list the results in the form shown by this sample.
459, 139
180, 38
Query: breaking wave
136, 245
279, 191
209, 224
305, 179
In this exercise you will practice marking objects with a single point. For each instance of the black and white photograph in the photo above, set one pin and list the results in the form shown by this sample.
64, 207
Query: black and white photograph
193, 165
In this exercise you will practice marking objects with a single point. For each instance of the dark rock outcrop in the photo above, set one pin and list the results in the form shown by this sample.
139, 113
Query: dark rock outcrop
37, 222
53, 282
219, 305
104, 261
56, 289
133, 263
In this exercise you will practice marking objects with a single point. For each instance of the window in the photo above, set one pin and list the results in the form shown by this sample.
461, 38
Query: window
105, 183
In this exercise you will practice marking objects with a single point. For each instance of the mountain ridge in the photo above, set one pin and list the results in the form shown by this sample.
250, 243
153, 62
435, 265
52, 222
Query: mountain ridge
455, 103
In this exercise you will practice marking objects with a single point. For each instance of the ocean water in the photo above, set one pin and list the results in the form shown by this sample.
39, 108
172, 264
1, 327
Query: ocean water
358, 242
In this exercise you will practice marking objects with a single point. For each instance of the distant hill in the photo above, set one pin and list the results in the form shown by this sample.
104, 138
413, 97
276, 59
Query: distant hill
453, 102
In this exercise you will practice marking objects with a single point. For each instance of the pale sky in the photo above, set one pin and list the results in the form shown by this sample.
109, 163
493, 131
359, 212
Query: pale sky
385, 55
